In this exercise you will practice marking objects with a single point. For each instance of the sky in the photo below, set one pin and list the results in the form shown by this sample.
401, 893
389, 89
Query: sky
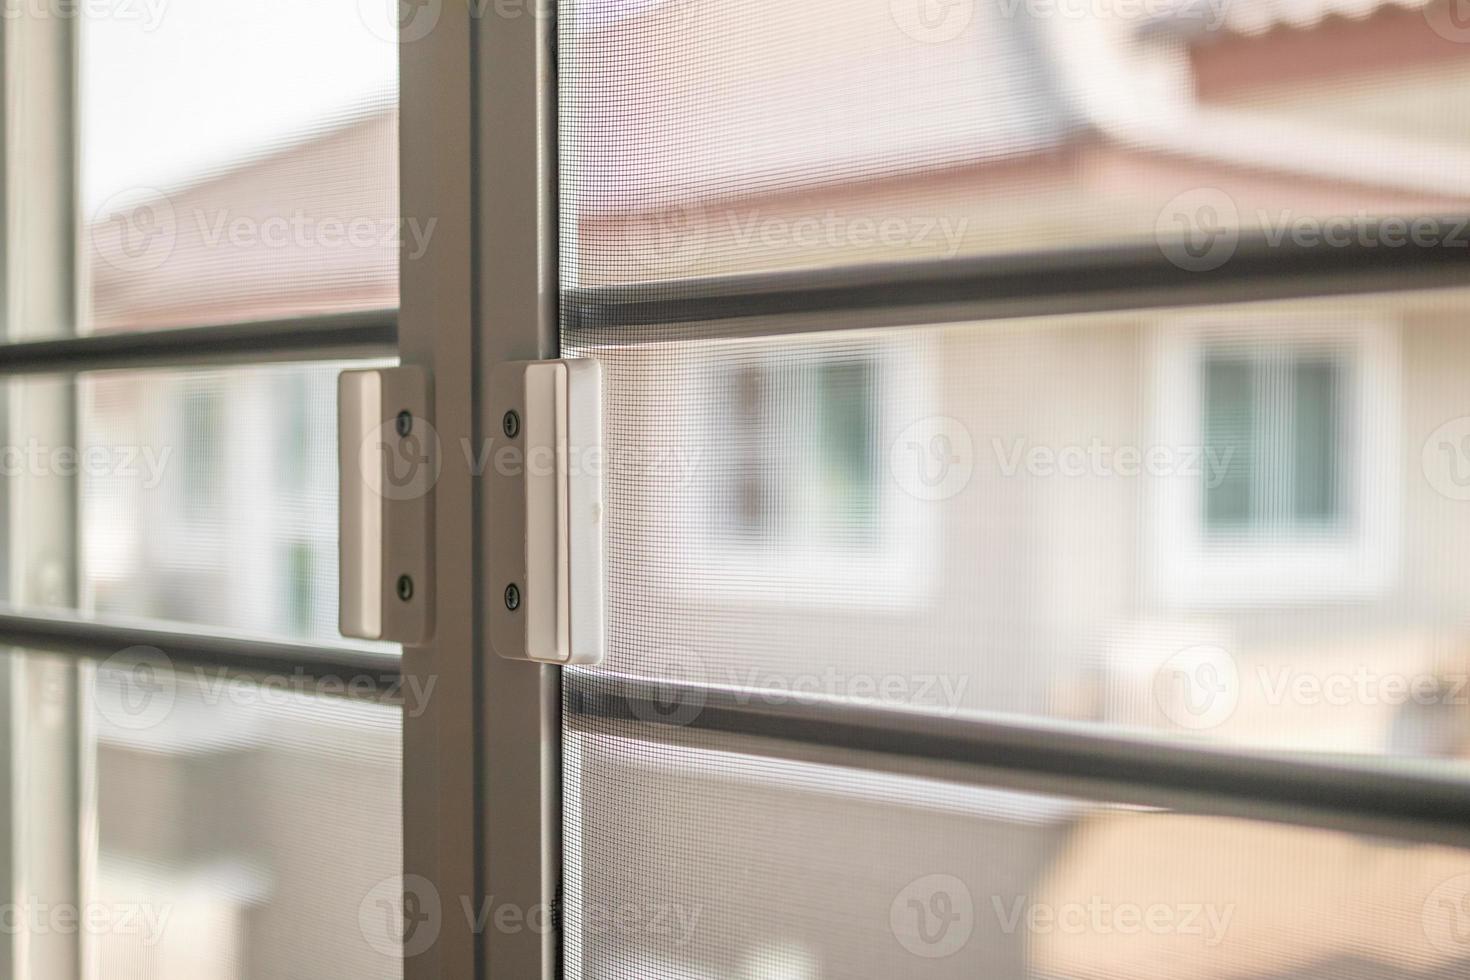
174, 89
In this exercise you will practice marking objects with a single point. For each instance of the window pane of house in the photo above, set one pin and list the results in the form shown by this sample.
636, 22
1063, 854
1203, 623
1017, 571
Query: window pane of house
708, 860
238, 161
706, 137
209, 498
238, 828
1242, 524
1229, 428
1315, 440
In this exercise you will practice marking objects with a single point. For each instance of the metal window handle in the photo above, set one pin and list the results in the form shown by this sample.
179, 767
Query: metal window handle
544, 595
389, 459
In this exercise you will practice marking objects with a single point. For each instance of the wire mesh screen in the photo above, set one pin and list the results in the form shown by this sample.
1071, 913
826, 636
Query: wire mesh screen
1237, 525
709, 137
726, 864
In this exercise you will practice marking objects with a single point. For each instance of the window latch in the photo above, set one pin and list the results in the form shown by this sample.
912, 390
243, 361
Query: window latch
388, 462
543, 518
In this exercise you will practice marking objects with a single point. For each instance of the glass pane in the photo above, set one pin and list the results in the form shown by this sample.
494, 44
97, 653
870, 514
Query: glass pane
706, 137
1314, 440
209, 497
244, 829
700, 861
1245, 524
1229, 430
238, 161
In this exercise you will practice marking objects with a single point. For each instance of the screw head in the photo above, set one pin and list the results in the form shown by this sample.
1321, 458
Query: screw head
405, 588
403, 424
511, 424
512, 597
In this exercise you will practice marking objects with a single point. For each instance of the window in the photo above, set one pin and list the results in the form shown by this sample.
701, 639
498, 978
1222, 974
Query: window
196, 733
1293, 424
1273, 469
781, 488
1161, 396
829, 417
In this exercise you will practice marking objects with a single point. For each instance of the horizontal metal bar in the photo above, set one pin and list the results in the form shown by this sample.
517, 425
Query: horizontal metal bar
1061, 281
358, 670
1394, 798
345, 336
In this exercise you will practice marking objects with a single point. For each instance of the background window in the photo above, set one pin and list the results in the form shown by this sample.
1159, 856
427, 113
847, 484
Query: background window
1274, 423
